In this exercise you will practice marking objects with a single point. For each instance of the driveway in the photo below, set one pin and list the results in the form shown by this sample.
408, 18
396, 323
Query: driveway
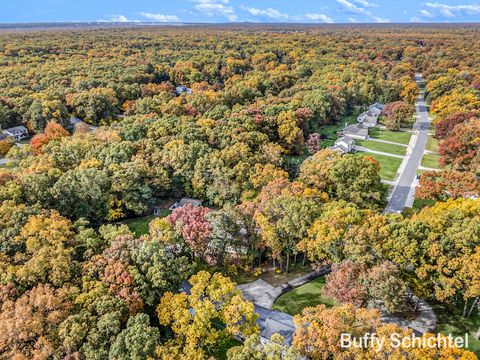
405, 185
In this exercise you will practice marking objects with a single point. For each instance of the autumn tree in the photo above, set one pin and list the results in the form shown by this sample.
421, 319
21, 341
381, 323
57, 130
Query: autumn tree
447, 184
191, 316
397, 114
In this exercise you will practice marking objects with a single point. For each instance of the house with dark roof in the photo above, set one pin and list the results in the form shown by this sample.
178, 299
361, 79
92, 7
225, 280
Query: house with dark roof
355, 131
17, 133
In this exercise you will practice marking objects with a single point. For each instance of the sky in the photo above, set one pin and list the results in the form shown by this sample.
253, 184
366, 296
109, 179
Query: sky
222, 11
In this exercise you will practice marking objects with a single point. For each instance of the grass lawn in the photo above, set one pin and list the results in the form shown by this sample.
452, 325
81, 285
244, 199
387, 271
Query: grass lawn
452, 322
401, 137
431, 161
139, 226
304, 296
329, 132
432, 144
388, 165
383, 147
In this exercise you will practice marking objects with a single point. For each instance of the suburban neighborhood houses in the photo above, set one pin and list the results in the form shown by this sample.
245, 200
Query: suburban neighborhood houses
240, 191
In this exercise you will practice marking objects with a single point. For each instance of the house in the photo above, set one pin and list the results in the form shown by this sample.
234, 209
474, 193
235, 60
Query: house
355, 131
73, 122
368, 119
376, 108
344, 145
17, 133
185, 201
179, 90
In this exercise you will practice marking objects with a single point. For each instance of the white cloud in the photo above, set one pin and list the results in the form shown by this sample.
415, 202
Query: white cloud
118, 18
352, 8
160, 17
365, 3
270, 13
216, 7
451, 11
426, 13
319, 17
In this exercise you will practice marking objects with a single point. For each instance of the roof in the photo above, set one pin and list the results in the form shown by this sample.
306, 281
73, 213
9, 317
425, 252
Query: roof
16, 129
183, 89
186, 201
275, 322
346, 139
356, 129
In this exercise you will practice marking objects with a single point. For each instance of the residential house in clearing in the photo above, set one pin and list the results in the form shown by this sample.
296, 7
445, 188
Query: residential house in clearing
355, 131
344, 145
184, 201
376, 108
368, 119
17, 133
182, 89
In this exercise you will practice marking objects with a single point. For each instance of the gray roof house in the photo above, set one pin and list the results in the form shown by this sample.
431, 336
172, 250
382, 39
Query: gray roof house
184, 201
356, 131
182, 89
17, 133
344, 145
368, 119
377, 106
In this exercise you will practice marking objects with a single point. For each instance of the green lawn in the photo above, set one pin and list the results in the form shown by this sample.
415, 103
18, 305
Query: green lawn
304, 296
329, 132
388, 165
432, 144
139, 226
401, 137
383, 147
452, 322
431, 161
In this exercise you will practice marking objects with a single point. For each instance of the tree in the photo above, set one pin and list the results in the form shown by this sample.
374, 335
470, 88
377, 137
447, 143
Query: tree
343, 284
397, 114
385, 287
82, 193
318, 330
325, 239
48, 243
30, 323
445, 126
357, 180
137, 341
194, 227
53, 131
313, 143
447, 184
191, 317
253, 348
461, 149
315, 171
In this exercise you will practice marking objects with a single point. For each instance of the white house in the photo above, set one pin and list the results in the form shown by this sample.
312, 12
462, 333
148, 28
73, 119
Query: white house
17, 133
344, 145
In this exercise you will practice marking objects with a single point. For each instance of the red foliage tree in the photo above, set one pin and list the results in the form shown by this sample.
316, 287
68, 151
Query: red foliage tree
53, 131
196, 230
343, 284
447, 184
461, 149
445, 126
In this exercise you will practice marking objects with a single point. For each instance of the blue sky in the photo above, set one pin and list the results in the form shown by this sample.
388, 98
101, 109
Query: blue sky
303, 11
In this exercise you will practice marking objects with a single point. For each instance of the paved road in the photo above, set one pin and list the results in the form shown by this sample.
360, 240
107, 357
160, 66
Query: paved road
406, 180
